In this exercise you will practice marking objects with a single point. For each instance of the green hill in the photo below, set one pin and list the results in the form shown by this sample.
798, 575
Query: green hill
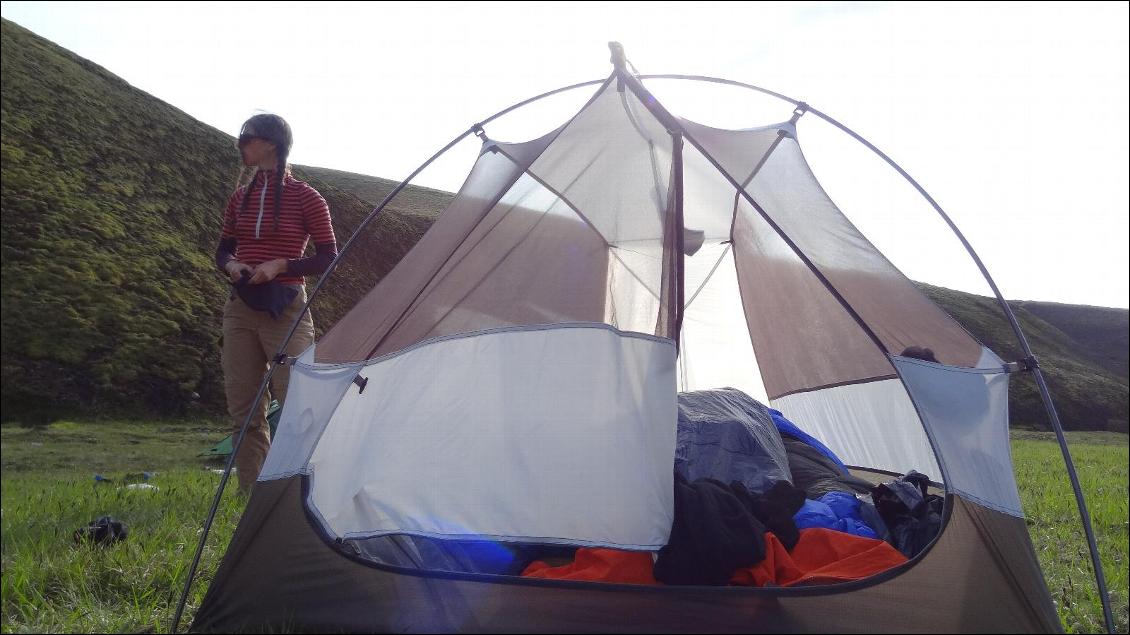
1103, 334
1077, 349
111, 206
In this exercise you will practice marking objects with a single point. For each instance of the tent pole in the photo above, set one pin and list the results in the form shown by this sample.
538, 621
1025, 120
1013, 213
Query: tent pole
680, 262
1030, 362
280, 358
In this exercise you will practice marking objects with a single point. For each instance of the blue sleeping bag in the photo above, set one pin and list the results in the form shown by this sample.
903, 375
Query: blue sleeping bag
835, 510
784, 426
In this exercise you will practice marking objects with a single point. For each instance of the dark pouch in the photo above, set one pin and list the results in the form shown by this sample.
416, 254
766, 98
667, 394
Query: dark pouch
271, 297
104, 531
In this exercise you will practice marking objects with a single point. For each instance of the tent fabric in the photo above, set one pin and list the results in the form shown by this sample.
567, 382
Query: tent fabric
522, 376
436, 447
889, 303
804, 338
872, 424
538, 235
966, 411
356, 336
313, 395
280, 572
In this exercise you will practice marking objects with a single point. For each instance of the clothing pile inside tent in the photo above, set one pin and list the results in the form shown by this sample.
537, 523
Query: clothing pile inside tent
759, 502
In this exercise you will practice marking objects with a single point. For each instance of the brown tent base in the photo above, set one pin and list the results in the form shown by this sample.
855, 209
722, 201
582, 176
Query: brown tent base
280, 573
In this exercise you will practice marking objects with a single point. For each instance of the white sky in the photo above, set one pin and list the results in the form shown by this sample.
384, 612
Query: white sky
1013, 116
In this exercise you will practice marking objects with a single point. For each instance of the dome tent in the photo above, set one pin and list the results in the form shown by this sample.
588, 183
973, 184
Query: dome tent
513, 381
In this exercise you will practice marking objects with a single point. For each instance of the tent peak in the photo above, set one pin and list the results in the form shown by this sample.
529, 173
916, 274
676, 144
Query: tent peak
618, 59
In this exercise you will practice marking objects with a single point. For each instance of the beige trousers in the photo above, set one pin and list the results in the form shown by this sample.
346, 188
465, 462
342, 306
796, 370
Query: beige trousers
251, 339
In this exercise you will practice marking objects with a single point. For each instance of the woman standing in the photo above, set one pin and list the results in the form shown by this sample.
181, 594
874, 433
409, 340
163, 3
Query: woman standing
267, 226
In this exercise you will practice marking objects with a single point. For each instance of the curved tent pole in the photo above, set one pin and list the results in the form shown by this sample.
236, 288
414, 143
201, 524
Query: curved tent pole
1029, 361
531, 100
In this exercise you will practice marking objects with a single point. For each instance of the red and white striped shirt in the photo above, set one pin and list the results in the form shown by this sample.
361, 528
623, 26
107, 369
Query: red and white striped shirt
303, 215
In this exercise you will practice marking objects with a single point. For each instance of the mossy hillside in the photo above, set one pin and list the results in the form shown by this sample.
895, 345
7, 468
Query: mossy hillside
111, 212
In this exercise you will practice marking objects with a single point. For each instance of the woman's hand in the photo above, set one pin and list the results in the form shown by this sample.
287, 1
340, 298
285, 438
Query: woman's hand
267, 271
235, 270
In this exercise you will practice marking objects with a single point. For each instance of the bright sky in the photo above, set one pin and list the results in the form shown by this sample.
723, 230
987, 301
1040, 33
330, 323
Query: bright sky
1013, 116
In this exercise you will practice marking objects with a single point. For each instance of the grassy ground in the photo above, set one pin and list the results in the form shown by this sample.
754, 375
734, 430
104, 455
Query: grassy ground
1053, 520
52, 585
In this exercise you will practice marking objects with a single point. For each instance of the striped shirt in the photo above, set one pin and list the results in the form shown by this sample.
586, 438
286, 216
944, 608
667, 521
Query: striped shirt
303, 215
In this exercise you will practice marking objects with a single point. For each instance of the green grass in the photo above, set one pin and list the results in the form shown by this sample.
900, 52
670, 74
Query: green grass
50, 584
1053, 520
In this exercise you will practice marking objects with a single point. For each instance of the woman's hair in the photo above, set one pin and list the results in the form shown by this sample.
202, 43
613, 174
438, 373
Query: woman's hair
275, 129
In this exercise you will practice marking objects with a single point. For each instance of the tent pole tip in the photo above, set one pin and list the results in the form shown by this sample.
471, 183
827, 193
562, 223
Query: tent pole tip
618, 60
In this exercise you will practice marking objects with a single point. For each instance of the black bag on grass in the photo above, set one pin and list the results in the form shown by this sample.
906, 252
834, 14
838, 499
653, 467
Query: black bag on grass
105, 531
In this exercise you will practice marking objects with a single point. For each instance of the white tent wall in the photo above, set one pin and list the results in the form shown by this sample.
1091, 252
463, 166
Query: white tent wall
715, 346
871, 425
635, 290
630, 214
804, 337
314, 392
364, 329
820, 366
530, 434
966, 411
491, 280
605, 140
